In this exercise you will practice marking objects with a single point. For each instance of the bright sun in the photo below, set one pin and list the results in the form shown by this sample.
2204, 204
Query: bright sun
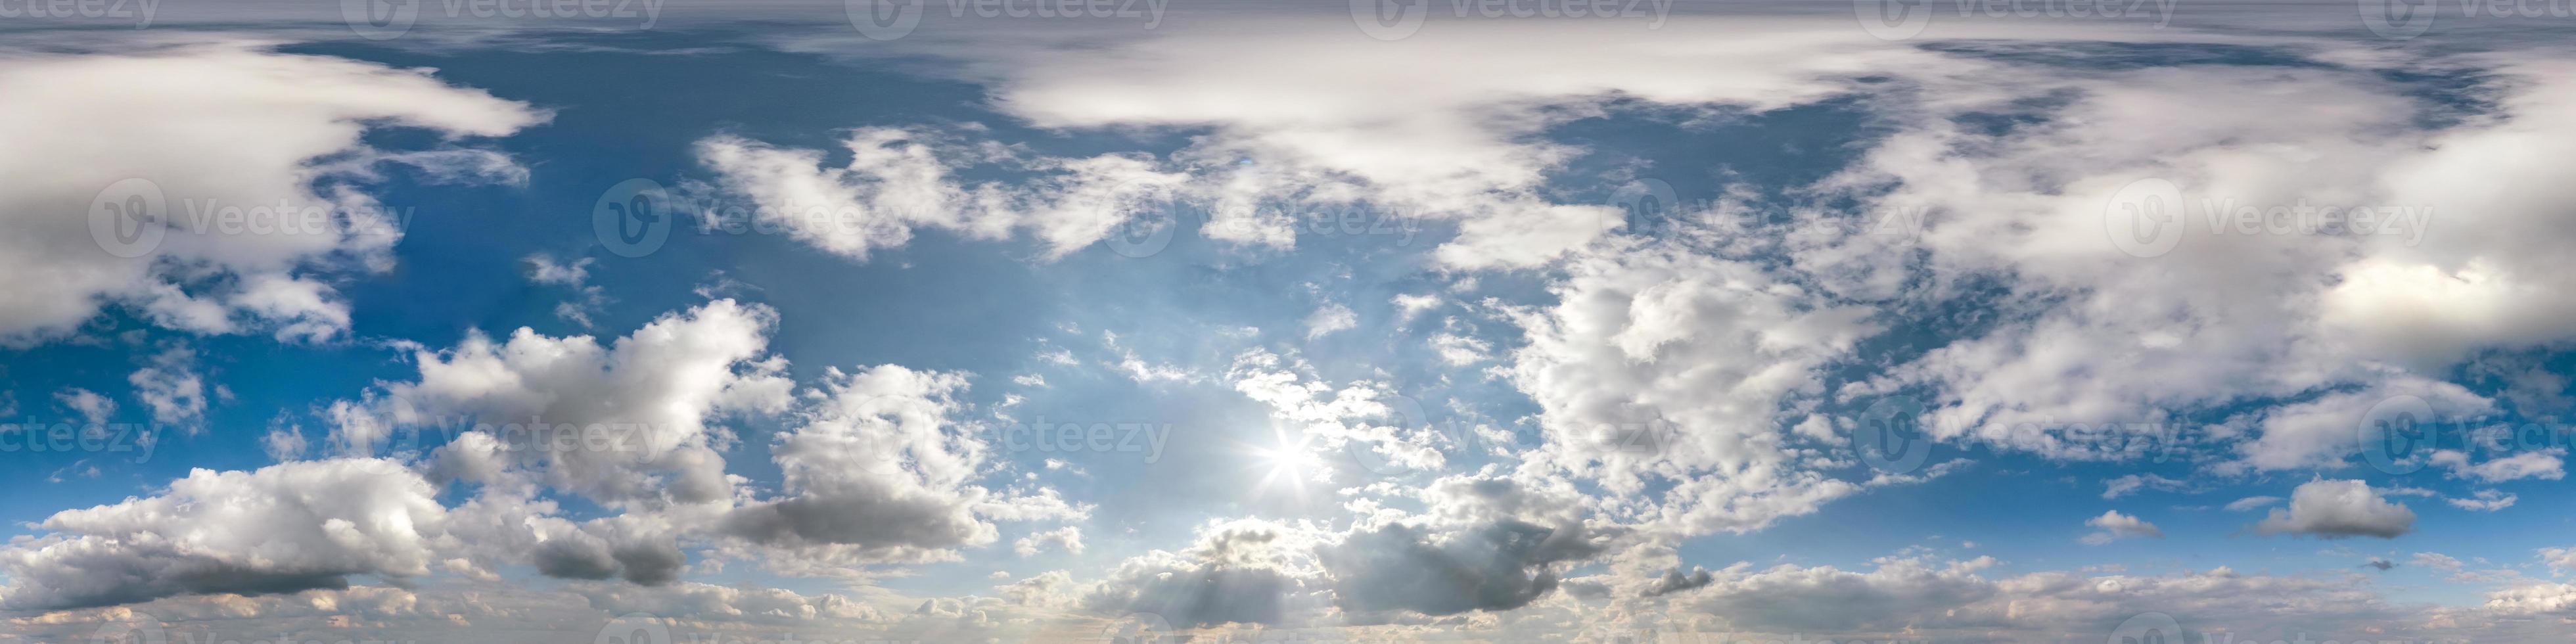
1291, 465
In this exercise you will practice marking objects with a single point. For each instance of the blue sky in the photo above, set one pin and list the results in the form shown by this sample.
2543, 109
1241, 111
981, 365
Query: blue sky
1480, 327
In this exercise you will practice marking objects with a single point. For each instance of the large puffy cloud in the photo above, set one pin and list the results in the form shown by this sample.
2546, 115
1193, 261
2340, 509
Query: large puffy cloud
1823, 599
881, 470
1246, 571
635, 425
2095, 329
265, 131
1500, 566
1319, 126
1664, 364
2336, 509
631, 424
1917, 596
1488, 542
282, 528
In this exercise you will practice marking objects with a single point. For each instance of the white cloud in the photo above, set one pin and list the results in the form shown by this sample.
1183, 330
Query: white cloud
1319, 126
2545, 464
2251, 502
899, 180
879, 469
281, 528
1068, 539
2484, 501
1661, 363
1330, 317
283, 443
93, 408
1245, 571
631, 425
2116, 526
171, 388
2436, 561
2126, 485
2337, 509
265, 130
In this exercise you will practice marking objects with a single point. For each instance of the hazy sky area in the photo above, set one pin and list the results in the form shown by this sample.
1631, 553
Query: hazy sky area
1582, 321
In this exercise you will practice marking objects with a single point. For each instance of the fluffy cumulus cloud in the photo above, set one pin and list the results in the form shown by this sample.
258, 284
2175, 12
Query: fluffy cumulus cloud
1711, 378
1247, 571
881, 470
1666, 365
226, 218
2337, 509
898, 181
1828, 600
1319, 127
632, 423
279, 529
